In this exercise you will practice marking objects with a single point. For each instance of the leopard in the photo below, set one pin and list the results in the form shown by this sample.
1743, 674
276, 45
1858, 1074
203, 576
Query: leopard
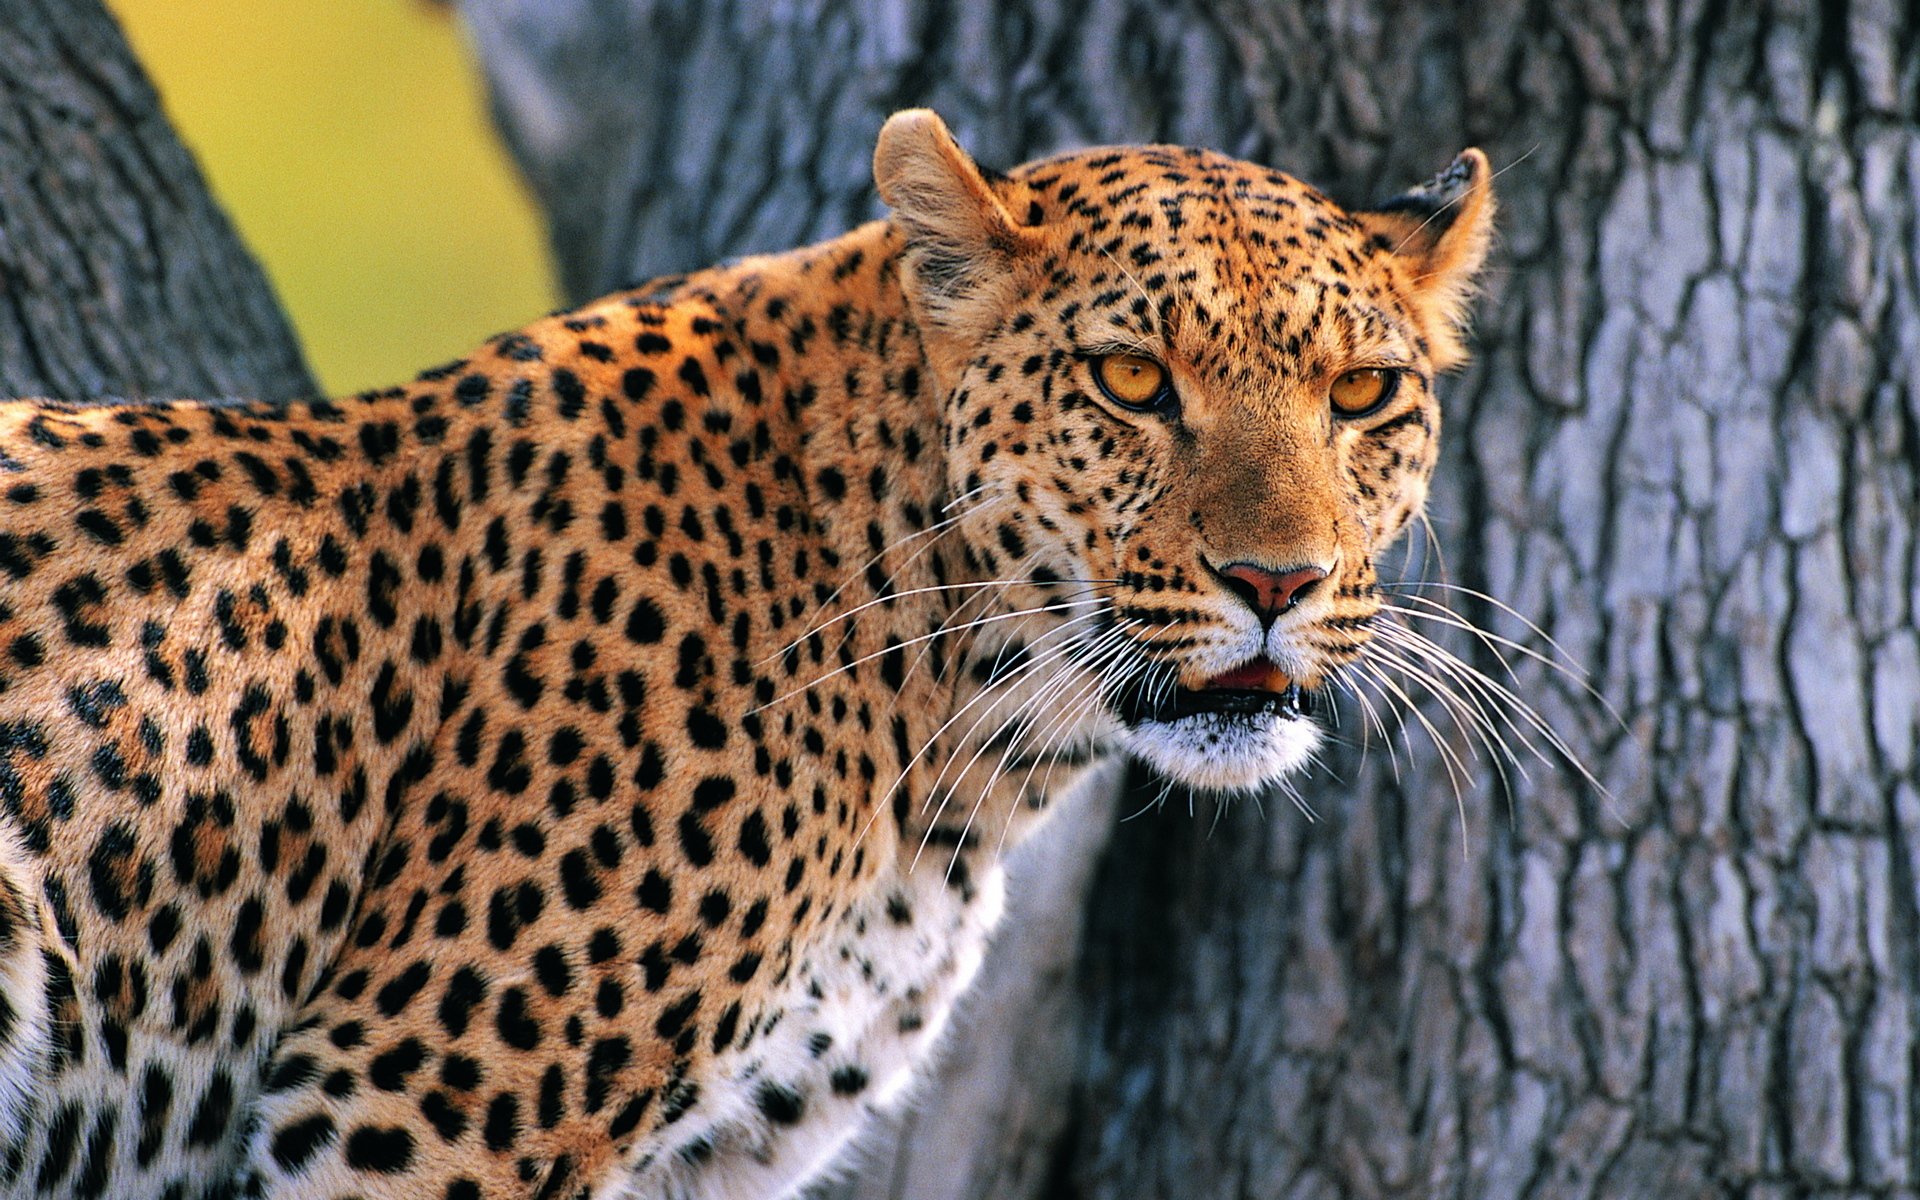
587, 769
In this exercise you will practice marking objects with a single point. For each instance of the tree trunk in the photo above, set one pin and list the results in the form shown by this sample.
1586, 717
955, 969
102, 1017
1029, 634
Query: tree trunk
119, 275
1687, 451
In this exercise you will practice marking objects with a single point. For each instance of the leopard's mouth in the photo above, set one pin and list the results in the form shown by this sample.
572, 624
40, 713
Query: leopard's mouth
1257, 688
1237, 732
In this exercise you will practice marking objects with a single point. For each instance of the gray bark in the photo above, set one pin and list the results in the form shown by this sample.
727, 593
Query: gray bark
119, 274
1687, 450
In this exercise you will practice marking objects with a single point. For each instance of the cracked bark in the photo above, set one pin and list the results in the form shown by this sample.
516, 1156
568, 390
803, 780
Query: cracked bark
1687, 450
119, 274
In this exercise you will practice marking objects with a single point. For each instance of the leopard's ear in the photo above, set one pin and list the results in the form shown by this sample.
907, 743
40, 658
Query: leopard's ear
961, 239
1443, 229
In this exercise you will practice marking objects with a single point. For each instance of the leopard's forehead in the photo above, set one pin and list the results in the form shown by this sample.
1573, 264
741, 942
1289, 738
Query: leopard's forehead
1215, 252
1197, 202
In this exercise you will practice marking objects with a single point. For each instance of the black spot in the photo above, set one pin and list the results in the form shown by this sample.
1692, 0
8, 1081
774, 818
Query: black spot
715, 906
295, 1145
608, 1057
479, 448
848, 1080
503, 1122
645, 624
460, 1072
707, 730
214, 1112
472, 390
551, 969
511, 910
92, 1181
402, 988
464, 991
712, 792
577, 881
572, 395
516, 1025
244, 942
725, 1028
753, 839
510, 772
694, 377
389, 1070
780, 1104
392, 705
383, 582
449, 1122
100, 526
695, 842
675, 1018
383, 1149
550, 1106
654, 892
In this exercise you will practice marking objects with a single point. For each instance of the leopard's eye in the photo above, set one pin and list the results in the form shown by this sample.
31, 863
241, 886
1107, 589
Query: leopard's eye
1360, 392
1131, 381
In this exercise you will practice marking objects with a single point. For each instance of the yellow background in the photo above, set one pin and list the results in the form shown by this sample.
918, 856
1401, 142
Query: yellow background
349, 141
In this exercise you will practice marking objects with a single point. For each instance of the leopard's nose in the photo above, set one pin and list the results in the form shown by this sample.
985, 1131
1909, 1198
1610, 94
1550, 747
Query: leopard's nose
1270, 592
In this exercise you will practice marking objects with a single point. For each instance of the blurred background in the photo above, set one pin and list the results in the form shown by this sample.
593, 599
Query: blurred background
350, 143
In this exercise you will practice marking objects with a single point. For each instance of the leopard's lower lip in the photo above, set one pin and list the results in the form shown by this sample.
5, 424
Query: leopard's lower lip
1137, 708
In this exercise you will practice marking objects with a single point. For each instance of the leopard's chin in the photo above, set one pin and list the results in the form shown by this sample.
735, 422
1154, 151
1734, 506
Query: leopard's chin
1226, 751
1241, 731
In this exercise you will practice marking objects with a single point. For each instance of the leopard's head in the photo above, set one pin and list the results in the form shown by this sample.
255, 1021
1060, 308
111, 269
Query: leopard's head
1199, 394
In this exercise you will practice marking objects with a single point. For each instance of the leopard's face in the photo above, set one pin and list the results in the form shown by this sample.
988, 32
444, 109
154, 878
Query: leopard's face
1199, 394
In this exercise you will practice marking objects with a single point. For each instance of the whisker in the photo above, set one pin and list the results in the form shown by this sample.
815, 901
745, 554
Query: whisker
930, 742
1166, 790
1467, 709
1085, 700
860, 571
1440, 614
928, 590
869, 657
1099, 646
1370, 722
1450, 760
1468, 713
992, 598
934, 788
1484, 598
1505, 697
993, 778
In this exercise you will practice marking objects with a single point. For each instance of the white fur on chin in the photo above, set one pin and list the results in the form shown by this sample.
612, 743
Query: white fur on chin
1225, 753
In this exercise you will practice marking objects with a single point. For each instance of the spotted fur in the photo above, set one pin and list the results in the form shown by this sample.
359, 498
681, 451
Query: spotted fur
574, 773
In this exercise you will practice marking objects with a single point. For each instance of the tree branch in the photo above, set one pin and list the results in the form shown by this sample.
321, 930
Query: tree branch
119, 274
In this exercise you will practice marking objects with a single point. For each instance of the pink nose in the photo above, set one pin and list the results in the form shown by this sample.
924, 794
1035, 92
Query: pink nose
1270, 593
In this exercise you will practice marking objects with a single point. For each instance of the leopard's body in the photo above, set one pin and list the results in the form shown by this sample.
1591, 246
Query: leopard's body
551, 777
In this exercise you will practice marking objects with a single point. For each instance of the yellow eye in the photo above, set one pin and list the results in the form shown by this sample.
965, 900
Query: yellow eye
1358, 393
1130, 380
